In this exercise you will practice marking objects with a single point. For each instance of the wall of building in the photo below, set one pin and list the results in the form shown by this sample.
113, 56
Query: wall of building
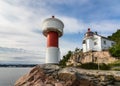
105, 43
84, 47
88, 45
97, 43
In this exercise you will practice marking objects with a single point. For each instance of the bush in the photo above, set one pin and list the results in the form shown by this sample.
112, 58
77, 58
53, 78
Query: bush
91, 65
116, 63
115, 36
115, 51
62, 62
116, 68
103, 66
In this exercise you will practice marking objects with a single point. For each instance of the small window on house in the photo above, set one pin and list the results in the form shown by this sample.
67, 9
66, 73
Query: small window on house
84, 41
95, 43
104, 42
112, 44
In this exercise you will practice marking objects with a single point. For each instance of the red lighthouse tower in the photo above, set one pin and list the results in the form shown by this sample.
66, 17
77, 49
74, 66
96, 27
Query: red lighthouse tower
52, 29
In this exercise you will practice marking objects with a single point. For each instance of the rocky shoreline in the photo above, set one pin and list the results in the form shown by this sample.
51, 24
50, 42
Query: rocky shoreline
53, 75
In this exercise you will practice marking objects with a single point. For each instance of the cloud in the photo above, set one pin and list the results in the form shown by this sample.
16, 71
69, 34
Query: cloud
19, 28
68, 45
105, 27
73, 25
14, 54
70, 2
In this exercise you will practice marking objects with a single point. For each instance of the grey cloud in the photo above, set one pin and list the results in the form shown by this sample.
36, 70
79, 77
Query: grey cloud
28, 58
11, 50
38, 31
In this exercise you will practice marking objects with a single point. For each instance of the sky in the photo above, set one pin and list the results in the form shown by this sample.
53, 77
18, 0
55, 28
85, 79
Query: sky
21, 38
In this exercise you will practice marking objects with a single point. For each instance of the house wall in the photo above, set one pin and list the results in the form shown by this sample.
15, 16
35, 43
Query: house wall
96, 43
89, 44
105, 43
97, 40
84, 47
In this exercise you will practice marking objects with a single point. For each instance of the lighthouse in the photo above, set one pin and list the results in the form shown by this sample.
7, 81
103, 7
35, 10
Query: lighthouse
52, 29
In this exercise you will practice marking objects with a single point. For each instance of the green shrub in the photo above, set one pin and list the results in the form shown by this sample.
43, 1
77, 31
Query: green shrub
116, 69
115, 36
115, 51
116, 63
91, 65
103, 66
62, 62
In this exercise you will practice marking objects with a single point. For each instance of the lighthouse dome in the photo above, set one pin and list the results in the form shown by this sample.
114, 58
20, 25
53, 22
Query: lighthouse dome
53, 24
89, 33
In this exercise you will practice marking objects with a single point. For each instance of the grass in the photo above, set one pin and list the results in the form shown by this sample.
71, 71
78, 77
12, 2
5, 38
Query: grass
115, 65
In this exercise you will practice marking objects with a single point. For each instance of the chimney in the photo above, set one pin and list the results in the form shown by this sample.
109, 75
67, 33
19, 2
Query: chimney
53, 16
96, 33
88, 29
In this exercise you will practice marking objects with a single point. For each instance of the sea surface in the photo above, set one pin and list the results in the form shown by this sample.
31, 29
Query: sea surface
8, 75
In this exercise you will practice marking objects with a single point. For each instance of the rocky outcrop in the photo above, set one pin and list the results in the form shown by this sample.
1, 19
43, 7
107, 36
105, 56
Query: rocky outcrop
47, 76
96, 57
53, 75
40, 75
96, 77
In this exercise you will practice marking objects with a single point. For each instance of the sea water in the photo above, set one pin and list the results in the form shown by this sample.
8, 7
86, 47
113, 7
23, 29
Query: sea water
8, 75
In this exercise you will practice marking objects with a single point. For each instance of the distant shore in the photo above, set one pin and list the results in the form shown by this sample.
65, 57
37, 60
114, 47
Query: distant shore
17, 65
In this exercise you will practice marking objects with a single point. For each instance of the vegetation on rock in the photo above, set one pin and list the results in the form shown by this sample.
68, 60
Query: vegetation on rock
112, 66
115, 65
115, 36
95, 66
115, 50
65, 59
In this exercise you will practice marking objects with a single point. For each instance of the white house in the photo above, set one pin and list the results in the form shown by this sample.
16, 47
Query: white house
94, 42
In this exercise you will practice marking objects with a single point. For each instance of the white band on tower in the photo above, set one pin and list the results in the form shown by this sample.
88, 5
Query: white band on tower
52, 55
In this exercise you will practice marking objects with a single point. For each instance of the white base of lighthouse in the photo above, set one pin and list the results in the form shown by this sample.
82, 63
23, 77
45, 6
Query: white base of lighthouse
52, 55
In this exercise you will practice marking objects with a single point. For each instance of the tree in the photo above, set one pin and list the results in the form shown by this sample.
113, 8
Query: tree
115, 36
65, 59
115, 50
77, 49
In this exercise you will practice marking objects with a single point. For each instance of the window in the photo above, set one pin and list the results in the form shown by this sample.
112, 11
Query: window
104, 42
112, 44
95, 43
84, 41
